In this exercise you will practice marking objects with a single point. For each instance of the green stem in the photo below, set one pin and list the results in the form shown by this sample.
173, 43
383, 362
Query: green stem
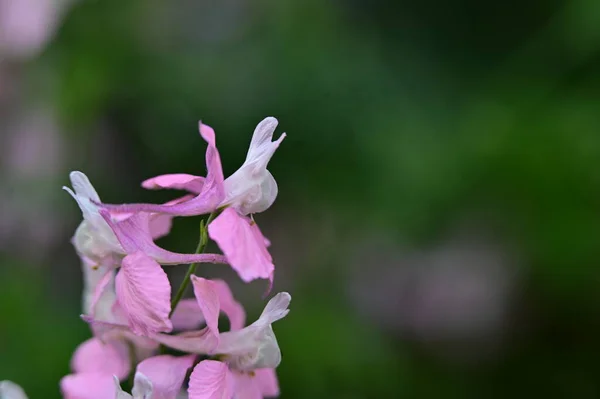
199, 249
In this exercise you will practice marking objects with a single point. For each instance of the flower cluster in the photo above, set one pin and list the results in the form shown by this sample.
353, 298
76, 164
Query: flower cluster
127, 298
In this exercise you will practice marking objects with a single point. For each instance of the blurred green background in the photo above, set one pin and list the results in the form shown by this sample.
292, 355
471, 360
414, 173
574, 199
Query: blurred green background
438, 222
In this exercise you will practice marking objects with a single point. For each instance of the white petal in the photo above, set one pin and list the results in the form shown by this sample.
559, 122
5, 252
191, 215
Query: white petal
119, 393
10, 390
252, 188
83, 187
142, 387
255, 346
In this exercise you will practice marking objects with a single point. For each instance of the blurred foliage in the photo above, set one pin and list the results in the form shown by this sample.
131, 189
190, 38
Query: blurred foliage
407, 117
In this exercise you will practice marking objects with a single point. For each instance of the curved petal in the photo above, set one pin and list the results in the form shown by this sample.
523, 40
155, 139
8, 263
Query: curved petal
95, 356
134, 235
87, 386
267, 380
232, 308
176, 181
211, 380
187, 315
119, 393
10, 390
166, 374
243, 244
201, 342
208, 301
144, 294
262, 147
93, 237
255, 346
82, 186
206, 201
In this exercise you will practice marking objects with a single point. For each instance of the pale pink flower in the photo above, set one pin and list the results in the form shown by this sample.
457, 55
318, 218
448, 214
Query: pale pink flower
105, 237
248, 357
209, 191
158, 377
10, 390
142, 287
251, 189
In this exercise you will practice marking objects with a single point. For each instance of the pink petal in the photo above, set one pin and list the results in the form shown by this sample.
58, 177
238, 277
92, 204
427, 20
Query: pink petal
211, 380
134, 235
166, 374
200, 342
187, 315
208, 301
144, 294
206, 201
177, 181
246, 386
88, 386
243, 244
267, 380
232, 308
110, 358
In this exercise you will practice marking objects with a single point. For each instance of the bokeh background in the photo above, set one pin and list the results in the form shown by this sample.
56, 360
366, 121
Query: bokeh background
438, 222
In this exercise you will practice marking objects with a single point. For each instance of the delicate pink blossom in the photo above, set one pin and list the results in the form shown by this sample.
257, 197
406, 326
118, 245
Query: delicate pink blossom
251, 189
254, 346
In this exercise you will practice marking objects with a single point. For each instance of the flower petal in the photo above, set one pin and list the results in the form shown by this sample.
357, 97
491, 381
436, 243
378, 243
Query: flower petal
246, 386
206, 201
255, 346
82, 186
208, 301
187, 315
120, 394
144, 294
200, 342
88, 386
177, 181
93, 237
262, 147
243, 244
134, 235
232, 308
166, 374
211, 380
267, 380
10, 390
110, 358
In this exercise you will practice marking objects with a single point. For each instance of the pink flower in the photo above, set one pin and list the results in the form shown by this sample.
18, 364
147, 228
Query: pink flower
10, 390
209, 191
158, 377
249, 356
142, 287
251, 189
